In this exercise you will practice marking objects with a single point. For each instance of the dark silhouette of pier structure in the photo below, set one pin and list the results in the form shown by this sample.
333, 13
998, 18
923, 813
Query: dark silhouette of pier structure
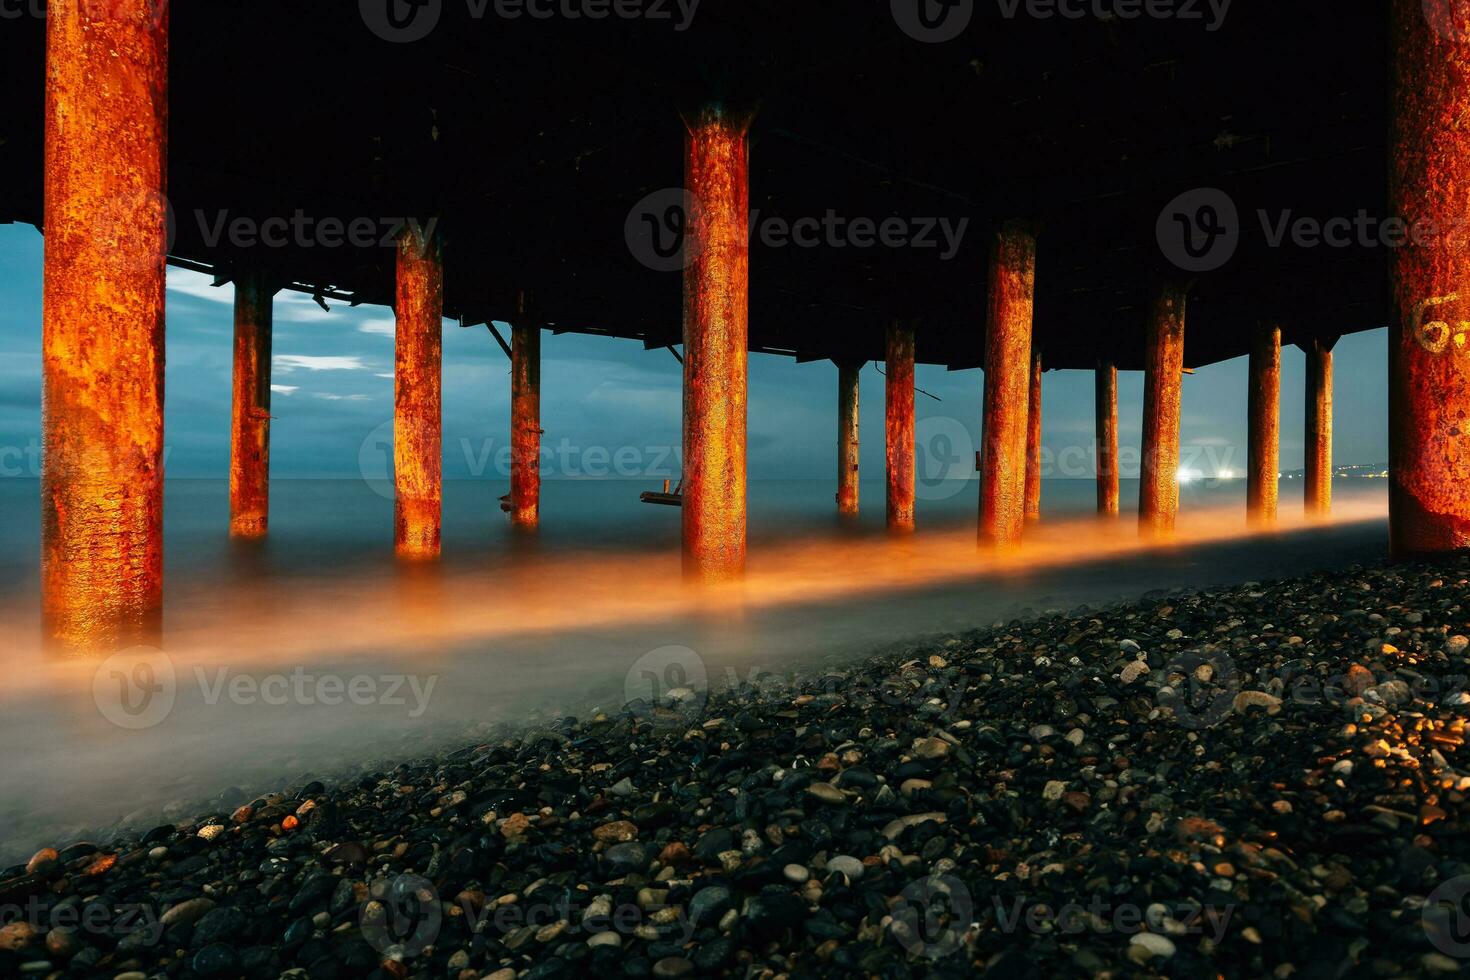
736, 176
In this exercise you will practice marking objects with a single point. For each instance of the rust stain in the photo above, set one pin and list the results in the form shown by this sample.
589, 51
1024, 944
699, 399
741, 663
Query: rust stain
106, 117
250, 427
1263, 463
899, 426
1108, 496
1007, 387
848, 388
716, 345
1158, 499
417, 399
1033, 442
1319, 429
525, 424
1429, 385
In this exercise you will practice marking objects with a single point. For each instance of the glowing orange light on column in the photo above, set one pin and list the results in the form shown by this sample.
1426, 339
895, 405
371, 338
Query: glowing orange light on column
1108, 496
417, 403
716, 344
1429, 368
899, 410
1007, 386
525, 426
1163, 387
1263, 466
250, 428
106, 115
1318, 483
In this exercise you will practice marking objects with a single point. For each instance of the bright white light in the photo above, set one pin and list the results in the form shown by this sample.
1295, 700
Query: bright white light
1188, 476
1227, 474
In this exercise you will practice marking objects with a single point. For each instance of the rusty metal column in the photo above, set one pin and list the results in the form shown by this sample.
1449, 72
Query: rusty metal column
899, 412
1319, 427
106, 132
848, 387
525, 420
1158, 498
1429, 373
1263, 463
418, 464
1007, 379
716, 342
250, 417
1033, 443
1108, 497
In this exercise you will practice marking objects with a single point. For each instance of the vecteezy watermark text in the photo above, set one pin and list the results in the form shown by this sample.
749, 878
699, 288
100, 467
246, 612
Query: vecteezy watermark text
407, 21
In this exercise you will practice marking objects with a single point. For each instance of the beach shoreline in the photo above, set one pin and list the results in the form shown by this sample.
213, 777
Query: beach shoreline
1259, 780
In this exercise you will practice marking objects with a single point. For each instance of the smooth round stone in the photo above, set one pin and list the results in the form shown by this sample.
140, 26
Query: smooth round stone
1156, 945
827, 793
606, 939
847, 865
796, 874
672, 966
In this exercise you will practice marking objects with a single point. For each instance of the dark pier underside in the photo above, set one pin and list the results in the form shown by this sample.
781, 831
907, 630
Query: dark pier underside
533, 139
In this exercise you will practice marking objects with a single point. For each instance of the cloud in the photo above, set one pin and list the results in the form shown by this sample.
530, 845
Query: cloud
285, 389
329, 397
286, 363
382, 328
199, 286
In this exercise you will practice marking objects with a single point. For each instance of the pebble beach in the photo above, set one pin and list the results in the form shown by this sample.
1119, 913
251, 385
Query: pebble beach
1266, 780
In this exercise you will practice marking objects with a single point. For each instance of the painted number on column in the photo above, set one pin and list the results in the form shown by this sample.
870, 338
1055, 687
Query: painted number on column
1442, 333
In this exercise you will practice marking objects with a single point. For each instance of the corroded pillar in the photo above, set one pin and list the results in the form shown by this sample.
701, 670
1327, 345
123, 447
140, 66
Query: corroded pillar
716, 342
250, 409
1429, 370
1263, 463
525, 421
899, 412
106, 133
1007, 386
418, 464
1158, 497
1318, 483
1033, 443
848, 386
1108, 497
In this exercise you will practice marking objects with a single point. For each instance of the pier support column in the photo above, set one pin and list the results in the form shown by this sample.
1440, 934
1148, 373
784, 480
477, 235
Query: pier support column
106, 133
1429, 372
716, 343
418, 463
1158, 498
899, 409
1263, 463
525, 420
1318, 484
1008, 369
1108, 497
848, 387
250, 415
1033, 442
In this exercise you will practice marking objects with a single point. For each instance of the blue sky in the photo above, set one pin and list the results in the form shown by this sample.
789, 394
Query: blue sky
607, 400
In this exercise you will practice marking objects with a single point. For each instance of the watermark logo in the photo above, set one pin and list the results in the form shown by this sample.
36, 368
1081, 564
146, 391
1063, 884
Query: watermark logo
933, 21
135, 689
401, 21
668, 686
933, 916
945, 457
1199, 231
375, 460
1204, 694
657, 230
1446, 917
405, 920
